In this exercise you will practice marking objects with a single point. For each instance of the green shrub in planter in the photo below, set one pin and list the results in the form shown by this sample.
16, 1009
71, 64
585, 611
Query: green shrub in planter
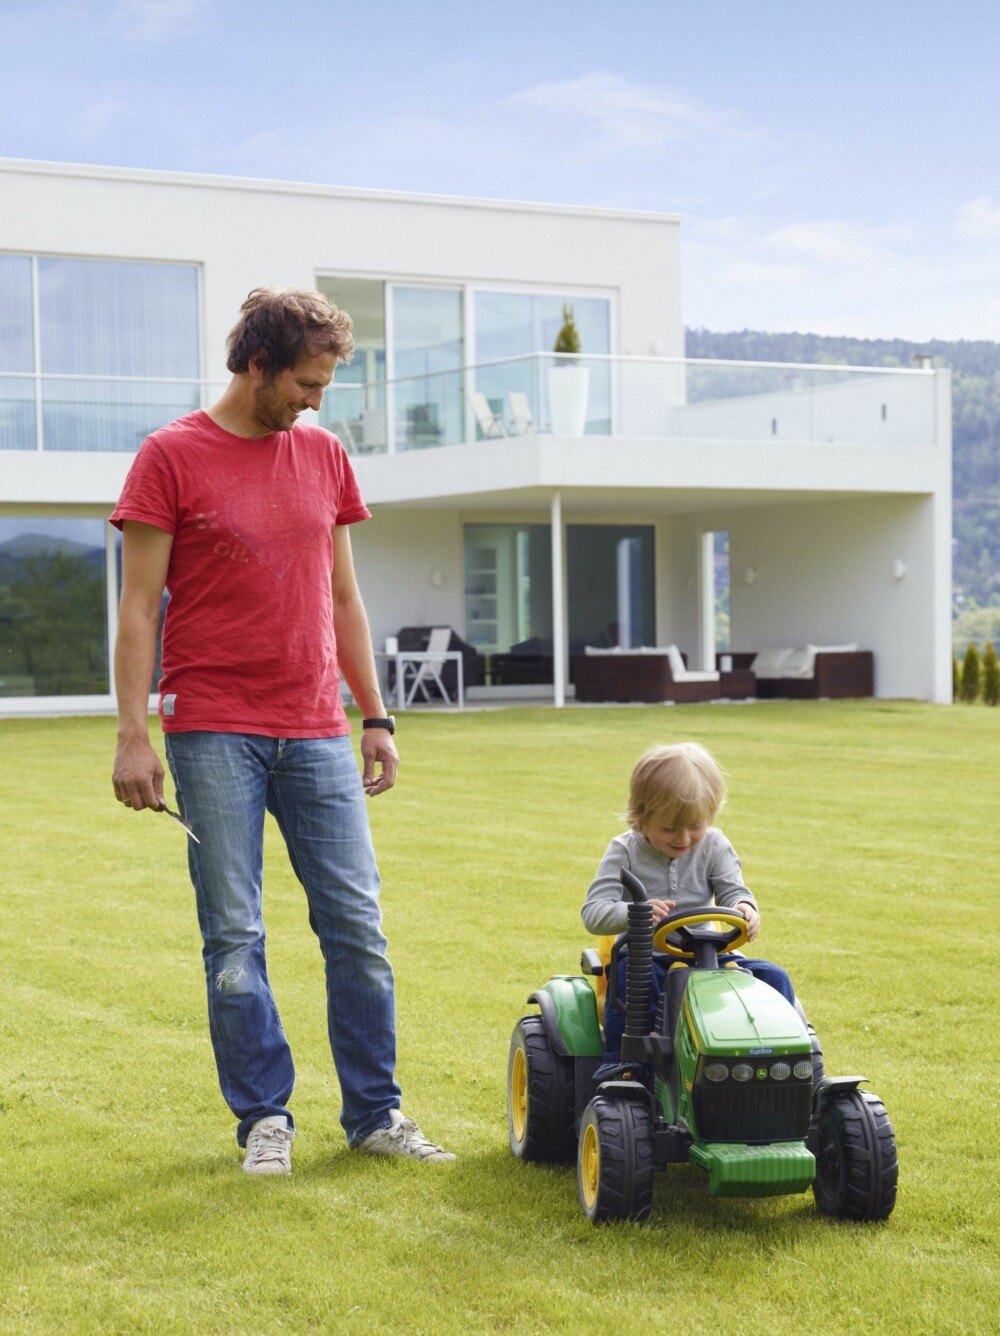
568, 338
991, 676
956, 677
971, 675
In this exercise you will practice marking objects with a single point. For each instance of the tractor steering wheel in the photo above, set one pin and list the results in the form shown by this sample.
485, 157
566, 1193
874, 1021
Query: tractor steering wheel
686, 918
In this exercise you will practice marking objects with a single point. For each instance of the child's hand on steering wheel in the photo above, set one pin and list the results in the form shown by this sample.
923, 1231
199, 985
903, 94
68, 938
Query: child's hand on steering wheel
661, 908
749, 912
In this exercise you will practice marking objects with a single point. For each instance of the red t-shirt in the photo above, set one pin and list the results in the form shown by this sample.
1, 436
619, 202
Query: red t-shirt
248, 642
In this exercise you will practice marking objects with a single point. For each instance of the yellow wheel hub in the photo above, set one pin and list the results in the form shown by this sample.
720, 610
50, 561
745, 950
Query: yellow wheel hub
590, 1165
519, 1095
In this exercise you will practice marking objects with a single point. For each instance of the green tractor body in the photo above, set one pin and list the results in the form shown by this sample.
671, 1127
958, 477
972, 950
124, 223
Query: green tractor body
727, 1077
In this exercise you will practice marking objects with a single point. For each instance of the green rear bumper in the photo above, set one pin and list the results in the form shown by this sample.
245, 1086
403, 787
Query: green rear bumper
755, 1171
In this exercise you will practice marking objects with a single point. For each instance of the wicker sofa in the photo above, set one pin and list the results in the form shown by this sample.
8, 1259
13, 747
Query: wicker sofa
813, 673
647, 675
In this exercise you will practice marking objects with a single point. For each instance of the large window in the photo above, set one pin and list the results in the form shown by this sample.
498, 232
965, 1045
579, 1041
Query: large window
53, 608
428, 349
516, 325
354, 405
420, 333
112, 354
508, 593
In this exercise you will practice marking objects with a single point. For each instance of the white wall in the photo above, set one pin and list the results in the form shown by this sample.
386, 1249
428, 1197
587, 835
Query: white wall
410, 568
824, 576
248, 233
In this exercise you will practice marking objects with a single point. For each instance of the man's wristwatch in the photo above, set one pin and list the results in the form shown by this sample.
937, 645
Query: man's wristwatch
388, 723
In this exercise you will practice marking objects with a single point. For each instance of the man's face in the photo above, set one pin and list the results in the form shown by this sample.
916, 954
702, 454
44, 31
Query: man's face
280, 398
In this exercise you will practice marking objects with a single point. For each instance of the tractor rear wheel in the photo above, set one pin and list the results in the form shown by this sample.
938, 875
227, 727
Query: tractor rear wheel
855, 1149
541, 1095
615, 1160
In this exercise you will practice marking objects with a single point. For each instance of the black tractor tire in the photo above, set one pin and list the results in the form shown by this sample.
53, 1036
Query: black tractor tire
856, 1164
541, 1095
616, 1160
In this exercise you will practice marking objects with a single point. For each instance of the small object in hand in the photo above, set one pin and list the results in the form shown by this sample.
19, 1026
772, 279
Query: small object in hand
181, 822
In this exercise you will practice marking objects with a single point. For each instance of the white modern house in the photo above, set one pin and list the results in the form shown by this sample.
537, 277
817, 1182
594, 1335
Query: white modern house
534, 503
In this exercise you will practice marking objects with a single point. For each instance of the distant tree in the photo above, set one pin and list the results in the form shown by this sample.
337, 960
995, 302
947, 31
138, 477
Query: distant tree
991, 676
971, 675
956, 676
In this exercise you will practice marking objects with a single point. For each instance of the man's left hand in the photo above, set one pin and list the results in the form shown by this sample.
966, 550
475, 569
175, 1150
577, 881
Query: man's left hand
378, 749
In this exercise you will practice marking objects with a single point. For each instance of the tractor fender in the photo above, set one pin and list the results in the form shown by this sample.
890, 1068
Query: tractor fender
630, 1090
830, 1085
550, 1020
569, 1014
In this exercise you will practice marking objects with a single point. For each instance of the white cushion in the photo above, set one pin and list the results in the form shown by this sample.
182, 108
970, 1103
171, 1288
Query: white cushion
687, 676
597, 649
800, 663
677, 669
768, 662
831, 649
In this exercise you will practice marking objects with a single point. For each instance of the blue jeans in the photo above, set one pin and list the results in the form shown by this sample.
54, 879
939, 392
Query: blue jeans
614, 1017
312, 787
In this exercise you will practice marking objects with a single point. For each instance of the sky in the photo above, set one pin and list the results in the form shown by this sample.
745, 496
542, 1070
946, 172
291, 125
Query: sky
836, 167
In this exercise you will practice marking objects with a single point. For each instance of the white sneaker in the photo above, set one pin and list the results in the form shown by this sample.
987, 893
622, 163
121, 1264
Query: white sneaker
403, 1137
269, 1147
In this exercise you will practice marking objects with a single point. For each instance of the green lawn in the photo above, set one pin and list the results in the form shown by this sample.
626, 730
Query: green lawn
869, 832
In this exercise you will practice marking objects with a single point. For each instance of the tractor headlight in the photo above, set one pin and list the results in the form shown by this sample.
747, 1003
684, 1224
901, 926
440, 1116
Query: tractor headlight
743, 1072
780, 1071
715, 1071
803, 1069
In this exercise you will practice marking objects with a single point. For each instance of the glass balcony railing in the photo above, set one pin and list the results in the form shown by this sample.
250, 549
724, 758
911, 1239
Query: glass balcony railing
539, 394
641, 398
89, 412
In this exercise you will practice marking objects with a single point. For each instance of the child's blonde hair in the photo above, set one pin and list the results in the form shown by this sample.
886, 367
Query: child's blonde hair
677, 785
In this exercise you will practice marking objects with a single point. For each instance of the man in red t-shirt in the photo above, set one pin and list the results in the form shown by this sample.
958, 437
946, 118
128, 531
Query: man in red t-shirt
242, 515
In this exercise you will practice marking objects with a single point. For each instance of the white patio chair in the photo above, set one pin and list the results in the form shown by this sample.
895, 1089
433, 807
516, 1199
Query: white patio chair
519, 412
427, 673
489, 424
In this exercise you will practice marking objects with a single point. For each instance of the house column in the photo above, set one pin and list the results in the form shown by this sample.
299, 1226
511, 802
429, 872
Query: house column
559, 635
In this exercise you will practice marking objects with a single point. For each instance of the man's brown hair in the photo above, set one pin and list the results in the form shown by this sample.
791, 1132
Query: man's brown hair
282, 326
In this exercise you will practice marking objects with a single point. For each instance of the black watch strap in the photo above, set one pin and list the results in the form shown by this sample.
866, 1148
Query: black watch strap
388, 723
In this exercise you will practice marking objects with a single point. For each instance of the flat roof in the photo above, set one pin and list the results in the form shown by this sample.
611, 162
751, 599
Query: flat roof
152, 176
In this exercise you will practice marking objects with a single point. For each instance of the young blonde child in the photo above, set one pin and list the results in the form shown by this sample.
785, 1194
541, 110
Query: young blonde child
684, 861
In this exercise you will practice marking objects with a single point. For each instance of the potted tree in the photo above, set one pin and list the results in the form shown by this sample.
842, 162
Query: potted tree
569, 383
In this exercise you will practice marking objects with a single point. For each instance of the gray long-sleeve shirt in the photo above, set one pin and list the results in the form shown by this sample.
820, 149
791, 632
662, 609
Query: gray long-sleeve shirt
708, 873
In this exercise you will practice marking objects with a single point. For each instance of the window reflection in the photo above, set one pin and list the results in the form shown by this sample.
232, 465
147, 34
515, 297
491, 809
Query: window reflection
53, 608
514, 325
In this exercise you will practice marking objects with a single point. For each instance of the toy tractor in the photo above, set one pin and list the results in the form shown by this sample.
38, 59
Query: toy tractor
727, 1076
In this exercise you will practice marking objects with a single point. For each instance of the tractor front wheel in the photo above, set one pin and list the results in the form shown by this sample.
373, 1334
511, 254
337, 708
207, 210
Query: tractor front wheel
615, 1160
541, 1093
855, 1149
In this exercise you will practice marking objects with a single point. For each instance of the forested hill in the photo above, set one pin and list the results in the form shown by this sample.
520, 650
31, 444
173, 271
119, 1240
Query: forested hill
975, 366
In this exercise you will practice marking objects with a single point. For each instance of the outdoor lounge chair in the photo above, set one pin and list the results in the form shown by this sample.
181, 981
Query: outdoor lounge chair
487, 421
519, 415
426, 675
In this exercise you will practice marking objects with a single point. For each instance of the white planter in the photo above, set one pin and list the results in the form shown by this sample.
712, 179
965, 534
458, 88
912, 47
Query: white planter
568, 389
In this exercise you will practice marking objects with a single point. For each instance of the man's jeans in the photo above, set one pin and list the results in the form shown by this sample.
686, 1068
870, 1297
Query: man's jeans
313, 789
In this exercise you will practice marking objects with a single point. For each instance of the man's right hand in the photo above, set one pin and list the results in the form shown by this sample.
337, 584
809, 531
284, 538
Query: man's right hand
138, 775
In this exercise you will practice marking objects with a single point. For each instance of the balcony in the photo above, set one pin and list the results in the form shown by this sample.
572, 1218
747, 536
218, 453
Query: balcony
620, 397
639, 399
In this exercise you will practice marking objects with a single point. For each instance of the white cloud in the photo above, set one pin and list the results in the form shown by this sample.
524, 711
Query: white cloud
836, 243
160, 20
92, 122
624, 114
979, 220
